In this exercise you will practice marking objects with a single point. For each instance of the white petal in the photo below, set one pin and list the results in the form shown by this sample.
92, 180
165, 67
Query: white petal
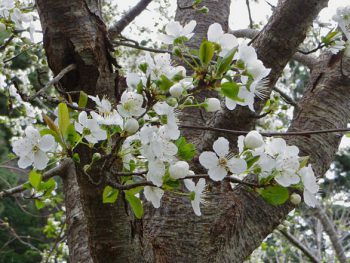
190, 185
46, 143
221, 147
25, 161
40, 160
217, 173
230, 104
82, 118
195, 205
132, 79
215, 32
208, 160
153, 194
228, 41
287, 179
189, 28
310, 199
237, 165
173, 28
32, 134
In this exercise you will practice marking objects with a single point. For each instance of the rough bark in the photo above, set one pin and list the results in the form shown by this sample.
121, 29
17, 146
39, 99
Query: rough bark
234, 222
75, 34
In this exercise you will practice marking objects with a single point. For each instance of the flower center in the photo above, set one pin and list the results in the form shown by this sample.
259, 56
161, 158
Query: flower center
222, 161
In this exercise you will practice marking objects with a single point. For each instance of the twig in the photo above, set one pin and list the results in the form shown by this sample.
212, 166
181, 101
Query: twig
251, 23
54, 81
268, 134
299, 245
319, 46
7, 42
137, 46
286, 97
329, 228
58, 170
119, 26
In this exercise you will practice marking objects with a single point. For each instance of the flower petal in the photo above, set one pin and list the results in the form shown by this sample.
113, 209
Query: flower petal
217, 173
46, 143
153, 194
208, 160
215, 32
237, 165
40, 160
221, 147
309, 198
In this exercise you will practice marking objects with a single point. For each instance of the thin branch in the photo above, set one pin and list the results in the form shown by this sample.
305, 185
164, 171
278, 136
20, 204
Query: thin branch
58, 170
268, 134
319, 46
120, 25
54, 81
299, 245
329, 228
251, 23
7, 42
137, 46
286, 97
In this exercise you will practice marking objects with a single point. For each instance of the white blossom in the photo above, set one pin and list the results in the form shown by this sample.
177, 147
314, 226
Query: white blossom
174, 30
179, 170
32, 149
226, 41
197, 191
310, 185
131, 125
131, 104
217, 162
253, 140
89, 128
154, 195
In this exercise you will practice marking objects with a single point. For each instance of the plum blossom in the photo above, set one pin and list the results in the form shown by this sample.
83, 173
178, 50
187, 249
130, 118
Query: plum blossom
89, 128
179, 170
131, 104
253, 140
174, 30
197, 194
212, 105
342, 17
178, 88
170, 129
106, 115
131, 125
32, 149
286, 161
310, 185
217, 162
226, 41
154, 195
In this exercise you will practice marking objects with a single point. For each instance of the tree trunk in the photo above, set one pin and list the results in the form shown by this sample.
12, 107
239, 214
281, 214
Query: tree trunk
234, 222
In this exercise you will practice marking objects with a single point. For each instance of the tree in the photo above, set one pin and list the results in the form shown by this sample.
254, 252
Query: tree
233, 222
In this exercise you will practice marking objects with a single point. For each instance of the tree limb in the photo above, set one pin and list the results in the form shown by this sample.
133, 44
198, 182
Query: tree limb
56, 171
329, 228
299, 245
119, 26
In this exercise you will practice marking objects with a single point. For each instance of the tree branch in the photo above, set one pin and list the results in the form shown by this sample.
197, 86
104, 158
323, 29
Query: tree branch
56, 171
329, 228
299, 245
119, 26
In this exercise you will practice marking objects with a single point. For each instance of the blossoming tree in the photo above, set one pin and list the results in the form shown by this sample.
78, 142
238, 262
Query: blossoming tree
162, 163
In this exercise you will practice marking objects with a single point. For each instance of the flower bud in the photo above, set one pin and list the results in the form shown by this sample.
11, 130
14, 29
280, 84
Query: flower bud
212, 105
96, 157
176, 90
177, 51
295, 199
179, 170
253, 140
131, 125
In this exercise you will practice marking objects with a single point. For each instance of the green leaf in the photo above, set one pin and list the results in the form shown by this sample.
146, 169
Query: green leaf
231, 90
48, 186
224, 64
303, 161
63, 118
4, 34
83, 99
206, 52
50, 123
136, 205
39, 204
275, 195
53, 133
72, 136
35, 178
133, 191
164, 83
252, 160
110, 195
186, 151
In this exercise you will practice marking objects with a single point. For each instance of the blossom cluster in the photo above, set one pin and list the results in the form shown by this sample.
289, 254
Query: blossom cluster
342, 17
144, 125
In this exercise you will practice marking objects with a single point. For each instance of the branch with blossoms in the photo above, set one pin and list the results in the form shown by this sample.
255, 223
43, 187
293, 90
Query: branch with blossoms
136, 144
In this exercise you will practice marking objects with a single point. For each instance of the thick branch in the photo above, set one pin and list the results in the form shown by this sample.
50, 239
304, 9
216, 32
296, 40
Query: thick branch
57, 171
299, 245
329, 228
119, 26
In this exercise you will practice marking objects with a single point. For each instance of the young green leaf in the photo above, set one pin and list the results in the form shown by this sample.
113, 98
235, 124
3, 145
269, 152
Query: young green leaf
35, 178
83, 99
186, 151
206, 52
224, 64
135, 204
110, 195
231, 90
39, 204
63, 118
275, 195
